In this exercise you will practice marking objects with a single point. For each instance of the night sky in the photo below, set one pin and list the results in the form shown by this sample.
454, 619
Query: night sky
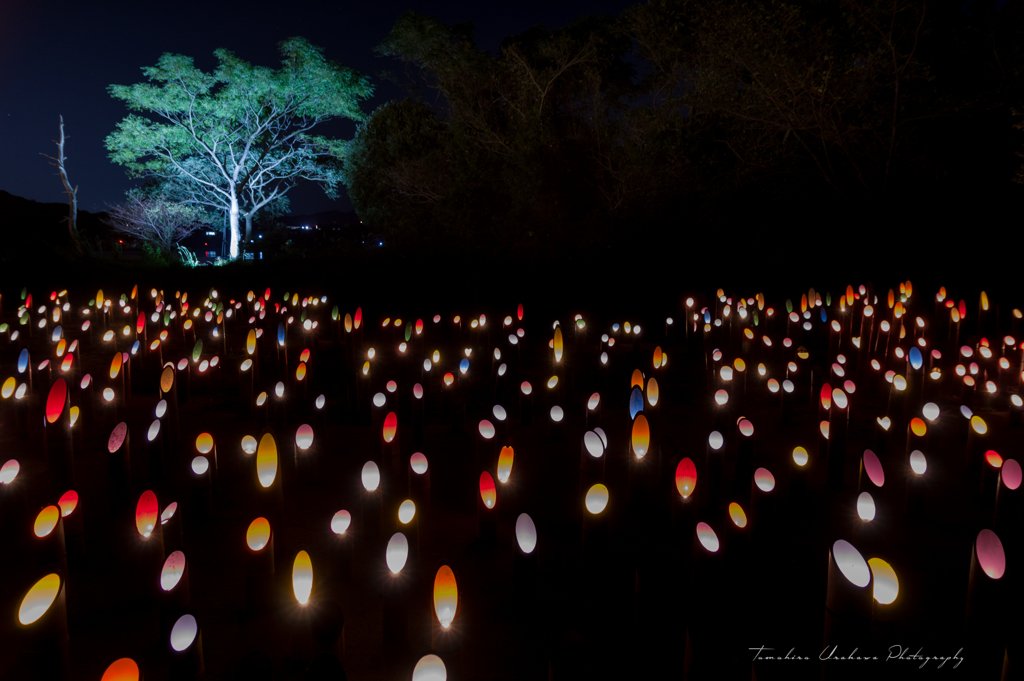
59, 57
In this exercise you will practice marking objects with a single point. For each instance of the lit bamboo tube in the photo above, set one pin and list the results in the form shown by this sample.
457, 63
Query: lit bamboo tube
185, 650
887, 608
169, 392
977, 445
408, 523
246, 385
525, 403
744, 455
42, 629
201, 480
714, 464
642, 465
595, 522
446, 629
124, 669
170, 527
883, 437
149, 545
501, 425
917, 435
837, 429
592, 460
418, 413
704, 623
173, 594
119, 471
48, 547
259, 565
763, 507
524, 567
156, 450
371, 501
487, 515
986, 603
419, 481
1007, 517
556, 423
848, 598
57, 437
395, 588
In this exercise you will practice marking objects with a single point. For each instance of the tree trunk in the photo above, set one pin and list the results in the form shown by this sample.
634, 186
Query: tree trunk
248, 228
224, 237
233, 220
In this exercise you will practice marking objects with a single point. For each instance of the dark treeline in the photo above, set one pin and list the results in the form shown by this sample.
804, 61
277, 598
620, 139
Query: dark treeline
684, 122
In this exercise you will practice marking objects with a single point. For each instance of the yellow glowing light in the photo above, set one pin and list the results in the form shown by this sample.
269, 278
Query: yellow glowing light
249, 444
46, 521
978, 425
302, 577
885, 585
739, 518
39, 599
446, 596
641, 436
258, 534
266, 460
505, 459
800, 456
596, 499
204, 443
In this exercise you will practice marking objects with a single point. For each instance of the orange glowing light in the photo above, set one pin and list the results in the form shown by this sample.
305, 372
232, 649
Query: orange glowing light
258, 534
300, 371
637, 380
266, 460
558, 344
641, 436
488, 493
390, 426
204, 443
446, 596
918, 427
39, 599
250, 342
124, 669
993, 459
505, 459
146, 512
652, 392
449, 378
46, 521
302, 577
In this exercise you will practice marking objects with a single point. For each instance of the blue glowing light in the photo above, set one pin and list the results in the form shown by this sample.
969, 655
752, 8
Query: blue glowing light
636, 402
916, 360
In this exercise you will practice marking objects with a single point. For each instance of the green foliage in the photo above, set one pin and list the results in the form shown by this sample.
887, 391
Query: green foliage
187, 257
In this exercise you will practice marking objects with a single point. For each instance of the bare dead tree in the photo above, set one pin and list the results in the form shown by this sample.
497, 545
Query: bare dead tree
154, 220
72, 193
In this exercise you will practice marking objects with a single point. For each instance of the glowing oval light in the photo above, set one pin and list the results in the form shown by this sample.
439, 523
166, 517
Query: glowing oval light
46, 521
146, 512
773, 385
505, 460
866, 506
302, 577
851, 563
38, 599
873, 467
9, 471
174, 568
397, 552
266, 460
486, 429
593, 402
557, 413
249, 444
596, 499
641, 436
488, 493
885, 586
764, 479
418, 463
370, 476
595, 446
991, 556
707, 537
449, 378
321, 400
686, 477
800, 457
304, 436
204, 443
526, 533
55, 401
716, 440
184, 632
736, 513
379, 399
652, 392
124, 669
1010, 474
746, 428
918, 463
978, 425
200, 465
340, 522
258, 534
168, 512
993, 459
918, 427
446, 596
839, 398
930, 411
8, 388
406, 511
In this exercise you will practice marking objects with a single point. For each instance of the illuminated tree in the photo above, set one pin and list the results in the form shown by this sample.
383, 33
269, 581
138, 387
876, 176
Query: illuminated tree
241, 137
154, 220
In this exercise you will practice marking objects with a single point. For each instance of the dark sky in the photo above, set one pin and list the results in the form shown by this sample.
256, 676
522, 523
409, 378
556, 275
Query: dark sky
59, 57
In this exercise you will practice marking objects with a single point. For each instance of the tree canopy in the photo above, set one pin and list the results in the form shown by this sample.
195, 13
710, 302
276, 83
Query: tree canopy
239, 138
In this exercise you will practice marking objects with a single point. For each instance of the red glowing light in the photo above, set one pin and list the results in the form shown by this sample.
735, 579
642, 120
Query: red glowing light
993, 459
146, 512
686, 477
390, 426
56, 400
68, 503
488, 493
